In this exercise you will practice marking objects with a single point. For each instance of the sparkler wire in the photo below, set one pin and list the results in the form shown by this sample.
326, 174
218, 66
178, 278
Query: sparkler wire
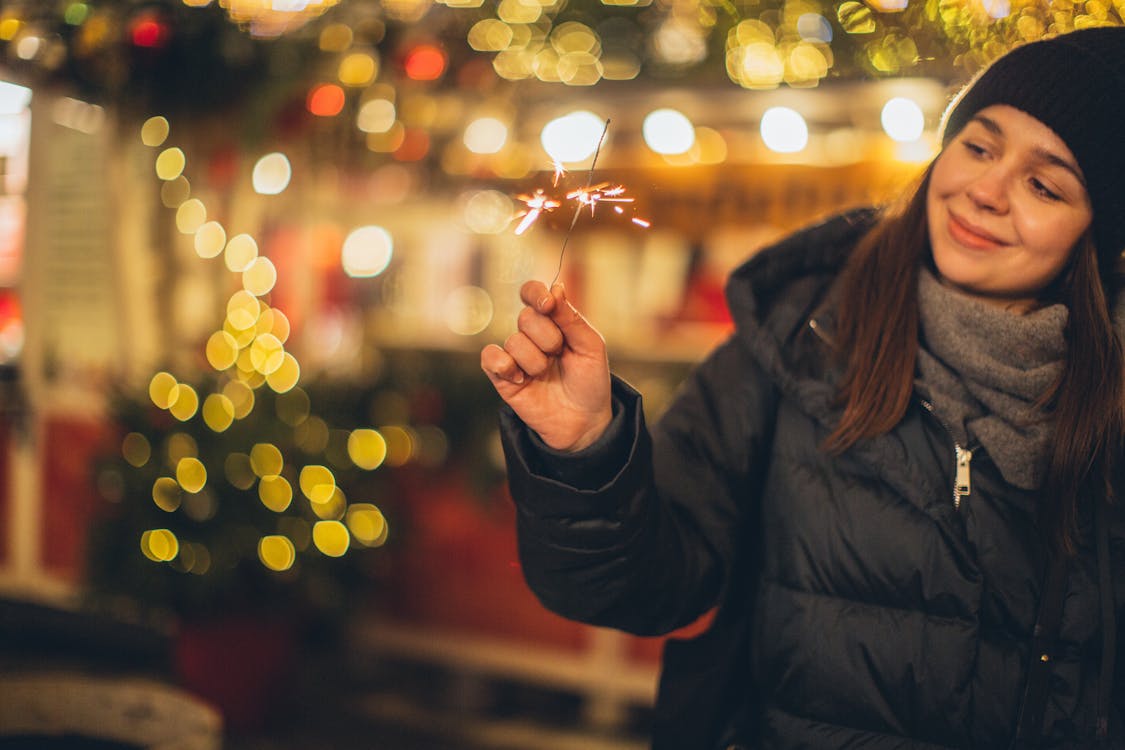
578, 208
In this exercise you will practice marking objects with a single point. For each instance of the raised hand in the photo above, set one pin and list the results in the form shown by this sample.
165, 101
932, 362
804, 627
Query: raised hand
553, 371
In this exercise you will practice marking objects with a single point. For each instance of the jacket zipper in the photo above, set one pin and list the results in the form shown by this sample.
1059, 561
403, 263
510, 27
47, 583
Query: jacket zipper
962, 476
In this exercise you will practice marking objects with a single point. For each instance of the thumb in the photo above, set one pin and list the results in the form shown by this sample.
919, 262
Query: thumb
580, 336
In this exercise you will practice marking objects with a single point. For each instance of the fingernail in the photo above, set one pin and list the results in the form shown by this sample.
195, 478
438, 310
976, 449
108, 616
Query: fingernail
518, 379
542, 303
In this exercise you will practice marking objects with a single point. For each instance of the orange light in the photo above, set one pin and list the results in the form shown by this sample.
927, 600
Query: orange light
414, 147
426, 62
326, 100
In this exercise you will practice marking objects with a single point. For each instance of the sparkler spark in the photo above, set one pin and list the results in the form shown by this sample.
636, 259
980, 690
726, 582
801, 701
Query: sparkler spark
537, 203
590, 195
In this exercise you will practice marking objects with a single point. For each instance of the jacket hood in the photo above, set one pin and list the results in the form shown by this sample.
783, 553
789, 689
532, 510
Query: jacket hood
773, 295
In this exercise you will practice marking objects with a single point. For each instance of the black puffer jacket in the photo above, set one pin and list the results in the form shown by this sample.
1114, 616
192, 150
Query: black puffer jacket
858, 607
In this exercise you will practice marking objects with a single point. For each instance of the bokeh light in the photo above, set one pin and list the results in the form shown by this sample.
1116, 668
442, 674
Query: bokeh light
903, 120
271, 174
367, 251
573, 137
668, 131
784, 130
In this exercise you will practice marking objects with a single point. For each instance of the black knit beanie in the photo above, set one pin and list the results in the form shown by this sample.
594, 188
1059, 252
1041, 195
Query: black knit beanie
1074, 84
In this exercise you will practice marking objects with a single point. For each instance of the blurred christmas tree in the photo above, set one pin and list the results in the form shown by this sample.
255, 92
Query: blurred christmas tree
253, 502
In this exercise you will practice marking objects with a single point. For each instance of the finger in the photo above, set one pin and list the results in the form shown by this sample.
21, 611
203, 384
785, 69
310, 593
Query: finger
536, 295
542, 331
529, 357
579, 334
500, 366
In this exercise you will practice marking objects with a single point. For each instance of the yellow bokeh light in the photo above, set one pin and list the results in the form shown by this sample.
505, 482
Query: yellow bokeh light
367, 524
293, 407
266, 354
243, 337
331, 538
367, 448
317, 483
180, 445
218, 412
276, 552
265, 459
260, 276
136, 449
186, 404
335, 37
490, 35
174, 192
334, 509
154, 131
400, 444
358, 69
275, 492
190, 216
222, 350
280, 325
286, 376
166, 493
252, 378
160, 545
162, 389
243, 310
240, 252
210, 240
241, 397
191, 474
385, 142
170, 163
238, 471
312, 435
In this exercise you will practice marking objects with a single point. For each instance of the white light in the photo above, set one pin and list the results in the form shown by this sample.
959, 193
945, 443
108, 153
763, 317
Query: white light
367, 252
468, 310
667, 131
488, 212
784, 130
28, 47
572, 137
272, 174
997, 8
814, 27
13, 99
903, 120
486, 135
376, 116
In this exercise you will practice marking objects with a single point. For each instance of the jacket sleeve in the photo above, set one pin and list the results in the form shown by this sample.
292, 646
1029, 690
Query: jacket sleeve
638, 532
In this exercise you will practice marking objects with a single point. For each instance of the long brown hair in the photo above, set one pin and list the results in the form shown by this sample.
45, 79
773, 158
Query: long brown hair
877, 341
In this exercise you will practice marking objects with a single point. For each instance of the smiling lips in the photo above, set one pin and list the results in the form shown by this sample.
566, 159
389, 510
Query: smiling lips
972, 236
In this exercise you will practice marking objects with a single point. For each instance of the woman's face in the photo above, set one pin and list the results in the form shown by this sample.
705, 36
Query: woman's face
1006, 206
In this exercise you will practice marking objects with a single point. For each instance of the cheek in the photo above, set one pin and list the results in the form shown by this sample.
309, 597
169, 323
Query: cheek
1051, 235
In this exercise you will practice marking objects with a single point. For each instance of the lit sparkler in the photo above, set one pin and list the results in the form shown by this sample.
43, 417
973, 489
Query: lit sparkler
539, 203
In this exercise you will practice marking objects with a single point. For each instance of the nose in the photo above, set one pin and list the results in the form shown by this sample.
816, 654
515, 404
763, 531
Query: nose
988, 190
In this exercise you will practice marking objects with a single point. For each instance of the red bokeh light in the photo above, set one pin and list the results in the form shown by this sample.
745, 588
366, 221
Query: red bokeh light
147, 30
426, 62
326, 100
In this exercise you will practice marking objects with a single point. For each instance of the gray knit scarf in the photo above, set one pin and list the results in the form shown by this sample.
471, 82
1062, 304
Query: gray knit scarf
982, 368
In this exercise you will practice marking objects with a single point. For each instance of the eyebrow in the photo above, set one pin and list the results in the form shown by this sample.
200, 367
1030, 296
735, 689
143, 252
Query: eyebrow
1040, 153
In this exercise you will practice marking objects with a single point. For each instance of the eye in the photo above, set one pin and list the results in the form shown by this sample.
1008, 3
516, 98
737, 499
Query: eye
1043, 191
975, 148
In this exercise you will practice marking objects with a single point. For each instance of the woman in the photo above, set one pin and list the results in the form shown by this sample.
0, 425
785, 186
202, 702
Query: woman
895, 479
